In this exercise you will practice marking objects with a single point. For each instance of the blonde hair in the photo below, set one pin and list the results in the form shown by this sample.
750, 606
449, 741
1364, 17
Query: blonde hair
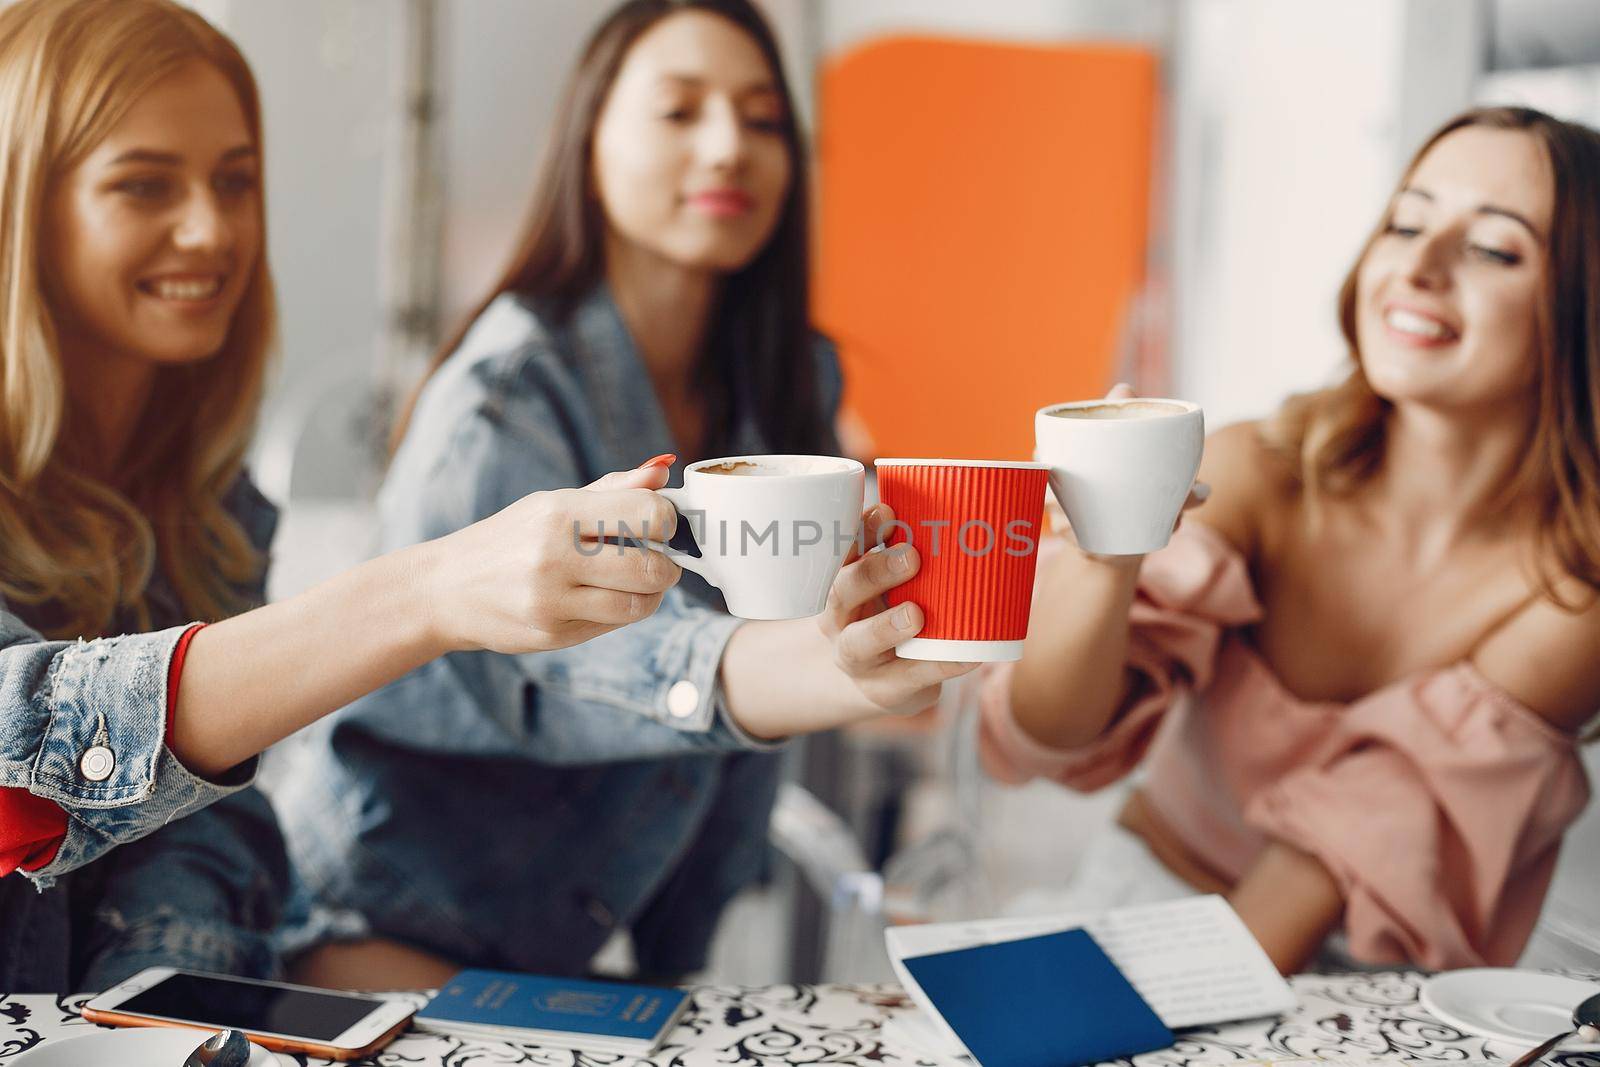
1334, 439
71, 544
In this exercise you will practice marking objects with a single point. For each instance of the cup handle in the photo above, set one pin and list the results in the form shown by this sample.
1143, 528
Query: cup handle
678, 498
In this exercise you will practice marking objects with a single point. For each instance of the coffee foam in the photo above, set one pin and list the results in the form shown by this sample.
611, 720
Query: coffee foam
1127, 409
742, 467
745, 468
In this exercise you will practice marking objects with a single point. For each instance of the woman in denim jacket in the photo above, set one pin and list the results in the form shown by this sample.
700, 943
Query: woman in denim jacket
136, 315
514, 811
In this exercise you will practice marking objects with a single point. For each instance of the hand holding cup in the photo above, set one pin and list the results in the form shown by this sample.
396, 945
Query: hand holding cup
772, 531
1199, 492
1122, 468
537, 575
864, 631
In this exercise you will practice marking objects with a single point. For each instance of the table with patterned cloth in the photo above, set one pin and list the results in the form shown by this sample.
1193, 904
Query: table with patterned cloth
1360, 1016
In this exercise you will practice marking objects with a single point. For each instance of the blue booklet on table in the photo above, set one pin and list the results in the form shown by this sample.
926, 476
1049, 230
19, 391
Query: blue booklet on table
565, 1012
1050, 1001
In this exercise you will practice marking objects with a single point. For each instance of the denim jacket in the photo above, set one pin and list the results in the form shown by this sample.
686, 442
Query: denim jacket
509, 810
144, 876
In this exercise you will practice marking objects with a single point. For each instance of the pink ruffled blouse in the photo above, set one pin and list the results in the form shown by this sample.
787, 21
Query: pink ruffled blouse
1437, 802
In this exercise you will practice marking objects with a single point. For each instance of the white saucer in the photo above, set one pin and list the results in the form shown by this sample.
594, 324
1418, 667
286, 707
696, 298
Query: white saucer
133, 1047
1349, 1061
1519, 1007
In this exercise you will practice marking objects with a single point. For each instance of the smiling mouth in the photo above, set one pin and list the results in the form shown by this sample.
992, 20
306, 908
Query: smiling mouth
724, 202
185, 290
1421, 327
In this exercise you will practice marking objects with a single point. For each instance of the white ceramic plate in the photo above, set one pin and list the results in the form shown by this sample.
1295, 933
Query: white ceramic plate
1390, 1061
133, 1047
1520, 1007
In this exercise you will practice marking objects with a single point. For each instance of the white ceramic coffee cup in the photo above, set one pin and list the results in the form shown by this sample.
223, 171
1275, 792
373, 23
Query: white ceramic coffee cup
772, 538
1121, 480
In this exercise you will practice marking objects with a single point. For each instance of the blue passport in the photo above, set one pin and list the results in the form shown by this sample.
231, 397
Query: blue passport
1050, 1001
566, 1012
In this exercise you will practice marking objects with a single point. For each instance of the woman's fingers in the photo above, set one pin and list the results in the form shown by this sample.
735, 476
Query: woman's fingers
1054, 513
626, 499
637, 514
863, 582
607, 607
1197, 496
869, 643
872, 522
651, 474
625, 568
865, 650
875, 523
929, 674
865, 631
534, 577
906, 686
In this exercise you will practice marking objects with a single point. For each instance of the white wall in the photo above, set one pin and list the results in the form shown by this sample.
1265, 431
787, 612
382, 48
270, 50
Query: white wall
1292, 123
504, 62
1544, 33
326, 75
848, 22
1566, 92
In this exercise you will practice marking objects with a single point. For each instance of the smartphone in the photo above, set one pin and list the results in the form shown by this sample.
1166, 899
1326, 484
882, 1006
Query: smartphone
275, 1015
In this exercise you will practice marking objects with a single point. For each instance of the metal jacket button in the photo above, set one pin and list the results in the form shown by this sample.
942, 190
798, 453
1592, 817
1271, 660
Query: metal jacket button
97, 763
683, 699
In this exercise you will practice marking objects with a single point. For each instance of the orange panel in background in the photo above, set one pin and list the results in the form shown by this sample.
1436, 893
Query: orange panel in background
983, 218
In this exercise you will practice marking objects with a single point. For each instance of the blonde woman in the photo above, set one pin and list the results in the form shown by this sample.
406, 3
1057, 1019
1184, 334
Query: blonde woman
136, 316
1385, 613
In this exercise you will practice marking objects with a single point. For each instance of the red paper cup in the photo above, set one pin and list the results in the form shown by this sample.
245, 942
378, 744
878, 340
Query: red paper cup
976, 524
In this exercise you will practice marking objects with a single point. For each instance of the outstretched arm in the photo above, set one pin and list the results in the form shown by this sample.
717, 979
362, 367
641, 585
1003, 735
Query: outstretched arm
803, 675
514, 582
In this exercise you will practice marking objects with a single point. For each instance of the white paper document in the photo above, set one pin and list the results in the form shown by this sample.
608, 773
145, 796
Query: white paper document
1192, 960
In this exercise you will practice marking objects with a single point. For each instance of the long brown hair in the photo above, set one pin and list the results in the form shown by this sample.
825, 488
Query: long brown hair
71, 543
1335, 438
759, 349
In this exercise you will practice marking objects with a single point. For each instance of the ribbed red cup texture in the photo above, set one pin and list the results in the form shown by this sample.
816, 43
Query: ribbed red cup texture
964, 595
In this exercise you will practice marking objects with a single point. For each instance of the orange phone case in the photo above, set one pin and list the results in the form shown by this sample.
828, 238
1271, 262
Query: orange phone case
273, 1044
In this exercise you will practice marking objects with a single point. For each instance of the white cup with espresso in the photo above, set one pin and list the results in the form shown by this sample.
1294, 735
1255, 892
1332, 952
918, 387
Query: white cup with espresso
1121, 469
773, 531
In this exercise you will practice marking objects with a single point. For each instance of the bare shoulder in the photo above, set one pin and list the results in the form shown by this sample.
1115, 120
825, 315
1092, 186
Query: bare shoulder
1548, 658
1251, 486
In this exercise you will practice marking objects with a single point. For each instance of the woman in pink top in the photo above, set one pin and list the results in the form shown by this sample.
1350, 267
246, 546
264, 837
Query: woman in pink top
1383, 620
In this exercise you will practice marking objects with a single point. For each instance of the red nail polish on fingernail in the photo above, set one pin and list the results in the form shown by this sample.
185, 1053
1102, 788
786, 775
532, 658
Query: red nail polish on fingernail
666, 459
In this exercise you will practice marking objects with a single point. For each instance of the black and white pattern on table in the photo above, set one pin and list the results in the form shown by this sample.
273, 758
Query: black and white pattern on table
1355, 1016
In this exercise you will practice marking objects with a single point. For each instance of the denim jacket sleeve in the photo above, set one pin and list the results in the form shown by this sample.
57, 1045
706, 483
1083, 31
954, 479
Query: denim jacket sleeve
58, 699
483, 440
